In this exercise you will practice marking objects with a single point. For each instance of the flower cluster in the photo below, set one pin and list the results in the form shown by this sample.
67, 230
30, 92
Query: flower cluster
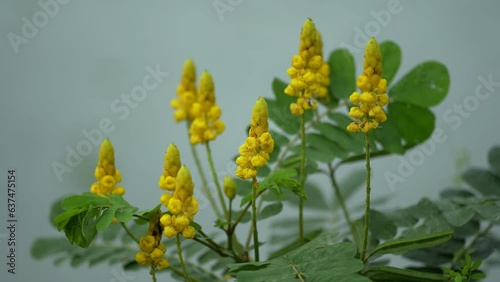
186, 93
368, 105
310, 75
206, 124
106, 174
172, 164
152, 251
182, 206
254, 153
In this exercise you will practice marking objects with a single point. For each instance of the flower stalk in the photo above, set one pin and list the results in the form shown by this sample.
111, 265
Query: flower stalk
367, 197
181, 260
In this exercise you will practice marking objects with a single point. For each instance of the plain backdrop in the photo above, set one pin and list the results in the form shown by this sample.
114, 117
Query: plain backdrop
65, 77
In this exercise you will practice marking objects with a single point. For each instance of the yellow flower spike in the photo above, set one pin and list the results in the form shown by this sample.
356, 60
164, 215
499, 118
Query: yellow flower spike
206, 124
206, 90
367, 109
186, 93
229, 187
182, 205
106, 174
172, 164
259, 122
254, 153
310, 75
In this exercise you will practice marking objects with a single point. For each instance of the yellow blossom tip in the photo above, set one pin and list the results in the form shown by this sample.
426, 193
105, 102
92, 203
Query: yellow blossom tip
229, 187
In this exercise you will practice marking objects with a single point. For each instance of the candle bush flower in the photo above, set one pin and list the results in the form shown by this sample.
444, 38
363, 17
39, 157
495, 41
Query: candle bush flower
278, 166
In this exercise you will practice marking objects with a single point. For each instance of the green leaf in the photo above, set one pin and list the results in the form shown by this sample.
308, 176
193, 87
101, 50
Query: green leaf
407, 244
402, 217
45, 247
391, 59
270, 210
63, 219
350, 184
319, 260
414, 123
282, 179
488, 209
389, 273
340, 136
425, 85
358, 236
494, 159
279, 109
342, 74
381, 226
388, 135
315, 198
147, 214
106, 218
456, 215
484, 181
195, 225
85, 199
321, 148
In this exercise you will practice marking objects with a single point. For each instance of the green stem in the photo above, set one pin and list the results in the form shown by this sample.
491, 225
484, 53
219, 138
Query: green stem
479, 235
181, 260
203, 178
340, 198
216, 180
229, 231
254, 219
153, 273
367, 200
302, 177
129, 233
296, 138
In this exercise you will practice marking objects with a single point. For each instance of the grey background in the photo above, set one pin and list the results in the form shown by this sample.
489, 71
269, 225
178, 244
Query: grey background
66, 77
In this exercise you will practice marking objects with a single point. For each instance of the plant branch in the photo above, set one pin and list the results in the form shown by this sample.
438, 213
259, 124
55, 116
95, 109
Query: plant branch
153, 273
255, 186
367, 199
181, 260
216, 180
464, 250
302, 177
340, 198
129, 233
204, 181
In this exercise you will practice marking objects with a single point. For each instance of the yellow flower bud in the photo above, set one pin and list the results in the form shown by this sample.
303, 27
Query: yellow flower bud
229, 187
147, 243
355, 98
156, 255
356, 113
166, 219
188, 232
162, 264
170, 231
142, 258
